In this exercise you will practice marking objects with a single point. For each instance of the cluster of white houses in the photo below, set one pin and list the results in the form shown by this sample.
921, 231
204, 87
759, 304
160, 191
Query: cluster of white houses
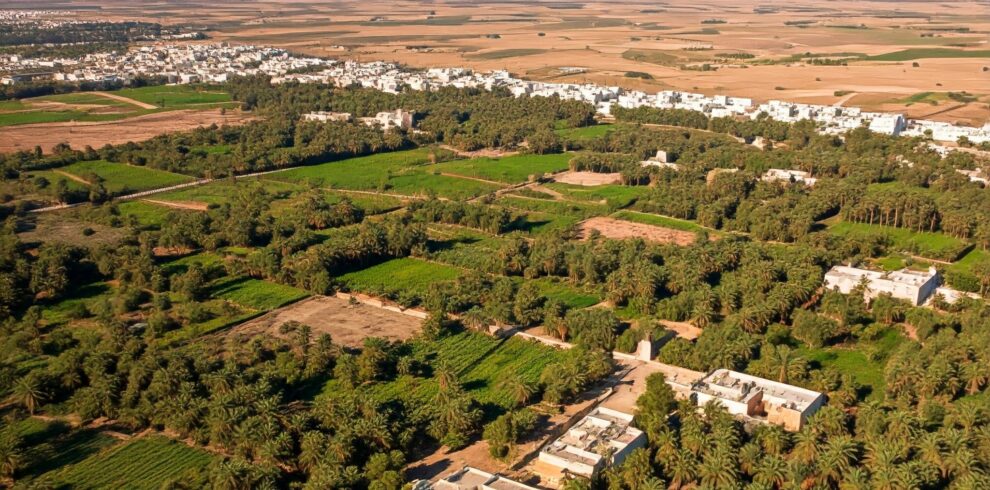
193, 63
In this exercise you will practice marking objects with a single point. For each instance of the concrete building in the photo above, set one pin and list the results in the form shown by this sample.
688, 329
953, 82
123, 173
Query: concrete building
913, 286
785, 175
390, 120
604, 437
469, 478
323, 116
758, 399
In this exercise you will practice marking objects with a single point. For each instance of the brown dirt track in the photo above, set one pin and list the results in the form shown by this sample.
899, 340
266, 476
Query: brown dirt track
619, 229
349, 324
588, 179
78, 135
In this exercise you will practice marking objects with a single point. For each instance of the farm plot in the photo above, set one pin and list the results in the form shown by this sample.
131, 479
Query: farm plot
407, 279
255, 293
658, 220
933, 245
588, 178
479, 361
176, 96
402, 172
510, 170
121, 179
619, 229
146, 462
347, 323
616, 196
220, 192
586, 133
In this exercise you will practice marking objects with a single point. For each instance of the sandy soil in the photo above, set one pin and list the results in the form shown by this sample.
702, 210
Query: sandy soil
683, 330
78, 135
588, 179
349, 324
618, 229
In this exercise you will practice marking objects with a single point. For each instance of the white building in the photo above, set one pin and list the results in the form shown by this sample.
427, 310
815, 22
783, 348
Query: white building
757, 399
390, 120
785, 175
469, 478
913, 286
604, 437
323, 116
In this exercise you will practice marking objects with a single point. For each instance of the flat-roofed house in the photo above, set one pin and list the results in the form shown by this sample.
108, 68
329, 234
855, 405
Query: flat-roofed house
604, 437
785, 175
913, 286
469, 478
757, 399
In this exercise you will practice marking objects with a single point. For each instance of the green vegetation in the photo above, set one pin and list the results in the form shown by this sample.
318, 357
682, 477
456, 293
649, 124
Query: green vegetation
147, 462
399, 277
501, 54
510, 170
921, 53
933, 245
587, 132
615, 196
177, 96
120, 178
255, 293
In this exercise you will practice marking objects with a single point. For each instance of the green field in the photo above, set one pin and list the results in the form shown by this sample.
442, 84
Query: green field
479, 361
658, 220
587, 132
921, 53
933, 245
559, 208
615, 196
121, 179
572, 296
225, 191
144, 463
406, 276
510, 170
255, 293
401, 172
855, 362
49, 452
174, 96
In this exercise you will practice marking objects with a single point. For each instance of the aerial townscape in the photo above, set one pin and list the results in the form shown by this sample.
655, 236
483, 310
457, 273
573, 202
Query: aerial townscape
499, 245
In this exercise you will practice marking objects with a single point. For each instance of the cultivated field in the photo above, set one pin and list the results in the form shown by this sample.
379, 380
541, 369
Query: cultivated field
97, 134
587, 178
619, 229
747, 48
347, 323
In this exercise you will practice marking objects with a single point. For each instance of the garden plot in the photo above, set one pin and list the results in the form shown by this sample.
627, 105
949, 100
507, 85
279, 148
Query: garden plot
618, 229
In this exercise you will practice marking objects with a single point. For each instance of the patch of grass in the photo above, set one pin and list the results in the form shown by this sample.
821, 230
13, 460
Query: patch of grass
83, 295
63, 451
144, 463
652, 56
146, 213
220, 192
510, 170
615, 196
570, 295
176, 96
39, 117
934, 245
121, 179
405, 276
920, 53
203, 259
658, 220
559, 208
479, 361
586, 133
255, 293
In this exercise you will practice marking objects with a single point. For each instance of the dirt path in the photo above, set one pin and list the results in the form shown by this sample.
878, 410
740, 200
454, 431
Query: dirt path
845, 98
546, 190
127, 100
72, 177
193, 206
485, 152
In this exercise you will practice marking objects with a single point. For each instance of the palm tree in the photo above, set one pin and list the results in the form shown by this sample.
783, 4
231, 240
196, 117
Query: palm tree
29, 392
682, 468
517, 388
10, 453
771, 471
719, 470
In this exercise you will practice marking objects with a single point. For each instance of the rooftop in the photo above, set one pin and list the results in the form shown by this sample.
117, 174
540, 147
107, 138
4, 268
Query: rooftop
737, 386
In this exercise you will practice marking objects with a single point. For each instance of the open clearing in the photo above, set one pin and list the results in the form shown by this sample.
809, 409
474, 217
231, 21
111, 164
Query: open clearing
618, 229
97, 134
347, 323
588, 178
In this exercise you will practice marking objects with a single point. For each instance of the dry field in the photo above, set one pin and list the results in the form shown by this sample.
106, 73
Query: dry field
752, 48
348, 324
97, 134
619, 229
588, 179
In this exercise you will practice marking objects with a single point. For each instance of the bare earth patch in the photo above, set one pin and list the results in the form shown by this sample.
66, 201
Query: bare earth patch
618, 229
588, 178
683, 330
347, 323
97, 134
190, 205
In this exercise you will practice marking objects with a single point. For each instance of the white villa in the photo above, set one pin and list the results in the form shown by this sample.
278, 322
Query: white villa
604, 437
757, 399
913, 286
323, 116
